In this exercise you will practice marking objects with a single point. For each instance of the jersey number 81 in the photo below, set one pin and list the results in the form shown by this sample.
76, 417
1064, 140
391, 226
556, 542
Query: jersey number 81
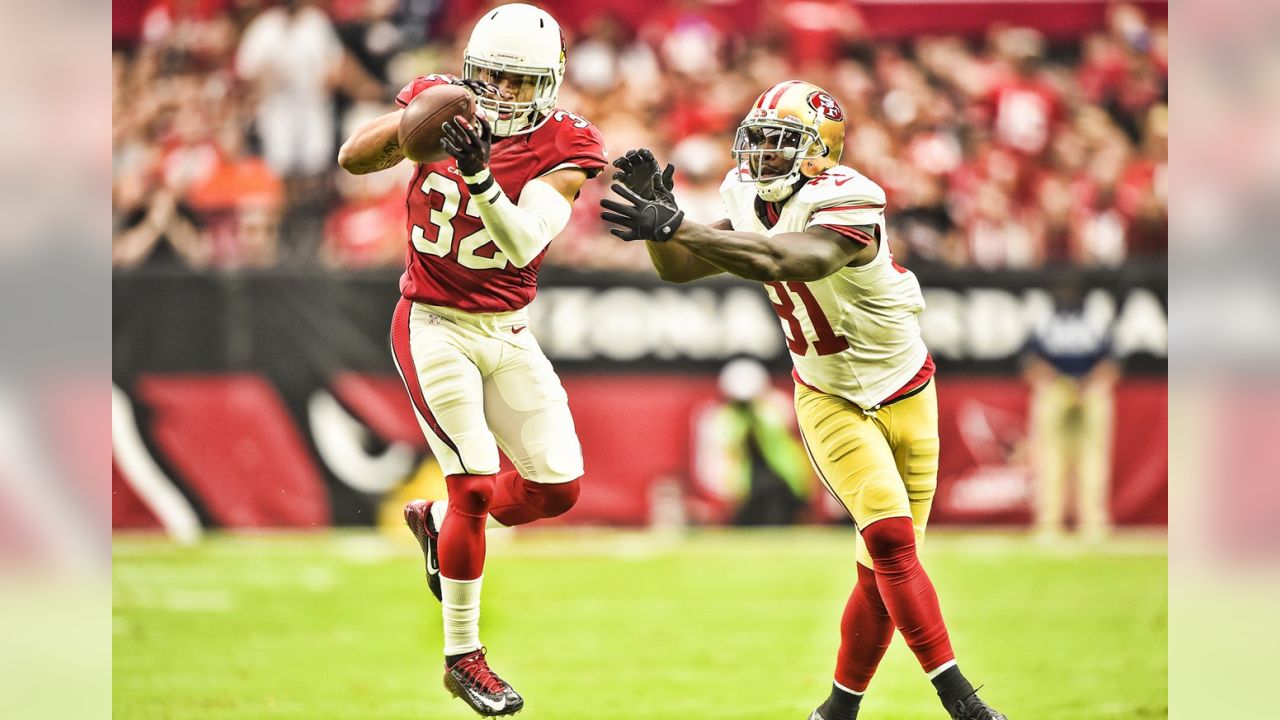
826, 342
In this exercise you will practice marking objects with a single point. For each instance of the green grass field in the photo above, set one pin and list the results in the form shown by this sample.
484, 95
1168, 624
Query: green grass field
623, 626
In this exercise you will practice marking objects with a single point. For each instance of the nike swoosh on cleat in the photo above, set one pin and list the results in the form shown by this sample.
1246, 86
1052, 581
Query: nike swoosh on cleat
432, 567
490, 704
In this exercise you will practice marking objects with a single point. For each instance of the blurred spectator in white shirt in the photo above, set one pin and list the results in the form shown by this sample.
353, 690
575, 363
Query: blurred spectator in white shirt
292, 56
595, 58
702, 162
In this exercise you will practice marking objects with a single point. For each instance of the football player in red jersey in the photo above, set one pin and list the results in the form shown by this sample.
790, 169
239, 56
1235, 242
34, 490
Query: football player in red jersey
479, 223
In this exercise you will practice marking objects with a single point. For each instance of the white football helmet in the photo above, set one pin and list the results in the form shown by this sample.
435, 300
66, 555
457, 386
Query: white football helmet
522, 45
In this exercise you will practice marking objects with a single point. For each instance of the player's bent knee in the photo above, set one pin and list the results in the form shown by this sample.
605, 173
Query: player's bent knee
890, 539
559, 498
470, 494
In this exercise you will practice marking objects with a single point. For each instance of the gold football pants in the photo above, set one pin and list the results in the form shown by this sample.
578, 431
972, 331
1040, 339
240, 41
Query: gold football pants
880, 464
1071, 429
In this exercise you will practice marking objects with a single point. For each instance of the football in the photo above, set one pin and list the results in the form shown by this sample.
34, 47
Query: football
420, 130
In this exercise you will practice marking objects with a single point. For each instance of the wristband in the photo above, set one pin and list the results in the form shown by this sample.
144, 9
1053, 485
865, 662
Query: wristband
479, 183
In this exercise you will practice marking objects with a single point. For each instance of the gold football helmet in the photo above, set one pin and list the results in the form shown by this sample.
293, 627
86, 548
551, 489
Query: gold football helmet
795, 128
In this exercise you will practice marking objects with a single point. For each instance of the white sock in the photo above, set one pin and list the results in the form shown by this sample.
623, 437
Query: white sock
438, 509
941, 669
461, 604
848, 690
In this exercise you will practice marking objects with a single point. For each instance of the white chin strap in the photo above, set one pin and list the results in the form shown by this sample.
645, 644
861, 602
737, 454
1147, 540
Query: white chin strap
778, 190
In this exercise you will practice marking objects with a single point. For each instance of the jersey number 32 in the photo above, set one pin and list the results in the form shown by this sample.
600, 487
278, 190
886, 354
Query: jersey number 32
472, 251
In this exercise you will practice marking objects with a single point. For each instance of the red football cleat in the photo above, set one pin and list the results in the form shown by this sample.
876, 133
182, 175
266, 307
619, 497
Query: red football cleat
417, 515
471, 679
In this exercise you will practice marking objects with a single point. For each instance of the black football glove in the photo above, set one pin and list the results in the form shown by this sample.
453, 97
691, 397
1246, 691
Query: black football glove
642, 219
469, 147
478, 87
663, 186
637, 170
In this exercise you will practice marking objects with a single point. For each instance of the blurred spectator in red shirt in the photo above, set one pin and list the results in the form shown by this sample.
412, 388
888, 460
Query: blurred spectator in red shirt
1023, 104
239, 202
1143, 191
196, 33
816, 33
691, 37
1103, 69
235, 179
367, 228
595, 57
697, 106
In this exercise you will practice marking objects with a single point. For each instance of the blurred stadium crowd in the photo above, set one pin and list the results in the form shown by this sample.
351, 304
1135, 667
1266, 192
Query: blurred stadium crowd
1006, 151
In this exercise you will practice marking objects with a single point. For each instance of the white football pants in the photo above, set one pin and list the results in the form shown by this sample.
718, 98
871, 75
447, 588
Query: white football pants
479, 382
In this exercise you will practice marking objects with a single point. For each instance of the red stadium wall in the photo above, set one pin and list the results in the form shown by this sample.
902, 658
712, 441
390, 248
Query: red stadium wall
231, 447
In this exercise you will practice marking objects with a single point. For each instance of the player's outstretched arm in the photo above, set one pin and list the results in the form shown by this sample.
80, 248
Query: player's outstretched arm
809, 255
374, 146
639, 172
676, 264
650, 213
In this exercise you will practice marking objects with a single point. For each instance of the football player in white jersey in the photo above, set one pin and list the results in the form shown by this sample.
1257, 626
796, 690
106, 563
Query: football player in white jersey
813, 231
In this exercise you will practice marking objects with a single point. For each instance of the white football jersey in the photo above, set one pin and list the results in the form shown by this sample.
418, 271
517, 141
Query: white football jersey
855, 333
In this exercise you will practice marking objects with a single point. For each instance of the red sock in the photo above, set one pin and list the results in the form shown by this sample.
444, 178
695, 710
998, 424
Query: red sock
907, 591
865, 632
517, 501
462, 532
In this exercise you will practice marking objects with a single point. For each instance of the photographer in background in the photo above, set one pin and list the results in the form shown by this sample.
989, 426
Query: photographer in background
747, 459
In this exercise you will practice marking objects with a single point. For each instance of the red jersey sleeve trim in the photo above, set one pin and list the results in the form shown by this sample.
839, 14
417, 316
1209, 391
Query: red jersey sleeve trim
853, 234
588, 162
592, 164
838, 208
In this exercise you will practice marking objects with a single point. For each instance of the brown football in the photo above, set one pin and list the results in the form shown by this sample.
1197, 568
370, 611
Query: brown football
420, 122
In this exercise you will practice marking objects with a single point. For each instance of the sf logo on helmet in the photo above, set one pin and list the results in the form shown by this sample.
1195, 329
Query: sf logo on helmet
826, 105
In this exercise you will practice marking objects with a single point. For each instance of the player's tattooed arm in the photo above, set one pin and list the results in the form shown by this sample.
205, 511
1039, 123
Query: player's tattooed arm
389, 156
374, 146
809, 255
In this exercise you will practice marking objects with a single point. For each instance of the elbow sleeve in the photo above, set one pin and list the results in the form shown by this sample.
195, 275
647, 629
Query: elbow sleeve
522, 231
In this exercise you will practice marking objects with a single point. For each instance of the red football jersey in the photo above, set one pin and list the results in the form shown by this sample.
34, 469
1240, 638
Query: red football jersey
451, 259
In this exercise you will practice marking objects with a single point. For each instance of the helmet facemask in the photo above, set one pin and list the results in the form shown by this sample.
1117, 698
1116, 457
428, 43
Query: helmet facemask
770, 153
529, 97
